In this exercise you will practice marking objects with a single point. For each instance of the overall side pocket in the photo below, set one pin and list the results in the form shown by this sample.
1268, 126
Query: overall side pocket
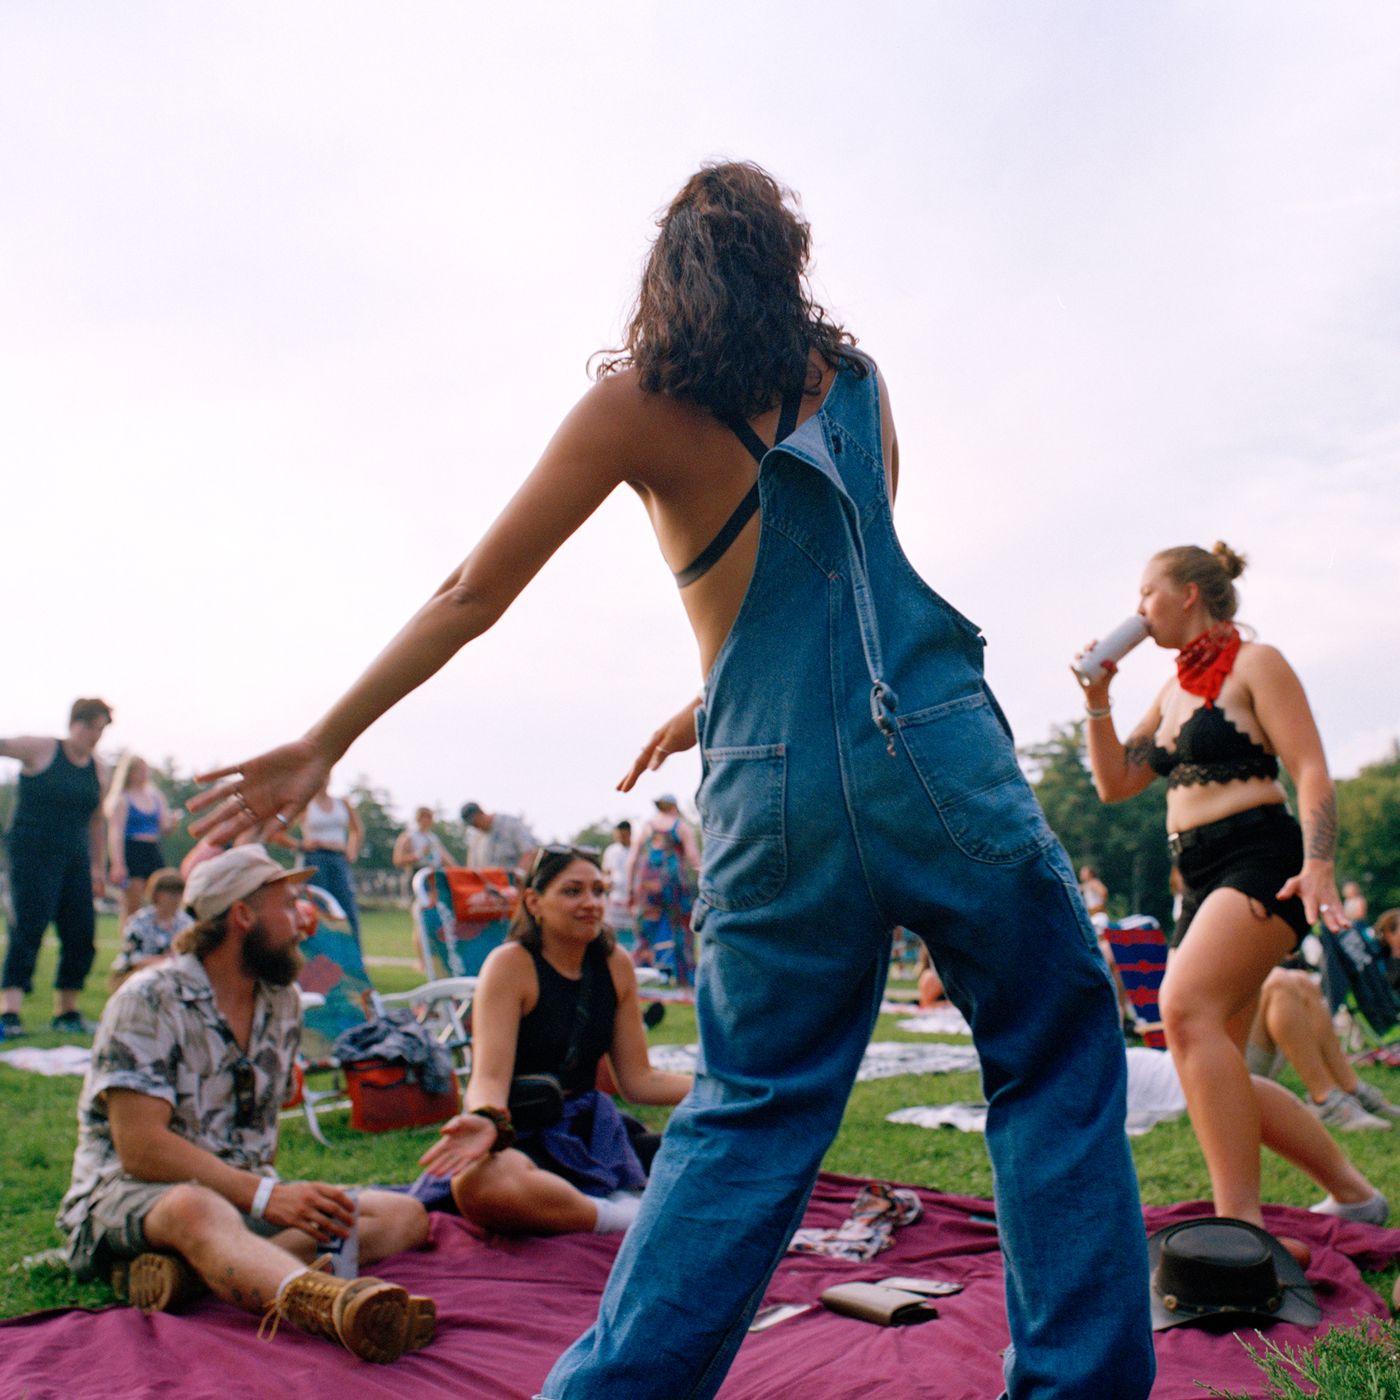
742, 802
968, 767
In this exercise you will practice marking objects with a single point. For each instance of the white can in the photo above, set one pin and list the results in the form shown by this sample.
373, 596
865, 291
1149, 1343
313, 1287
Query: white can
1114, 647
344, 1250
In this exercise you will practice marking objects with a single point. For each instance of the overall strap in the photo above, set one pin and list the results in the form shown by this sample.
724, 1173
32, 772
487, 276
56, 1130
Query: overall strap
743, 512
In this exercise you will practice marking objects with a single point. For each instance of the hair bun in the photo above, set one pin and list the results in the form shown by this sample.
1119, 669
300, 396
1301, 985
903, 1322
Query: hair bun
1234, 563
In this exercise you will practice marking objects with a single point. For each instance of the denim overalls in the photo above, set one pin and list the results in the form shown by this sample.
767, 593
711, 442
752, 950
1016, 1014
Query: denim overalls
857, 774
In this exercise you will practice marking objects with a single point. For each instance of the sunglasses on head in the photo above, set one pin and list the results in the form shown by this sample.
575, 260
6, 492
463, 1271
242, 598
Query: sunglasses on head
553, 853
245, 1093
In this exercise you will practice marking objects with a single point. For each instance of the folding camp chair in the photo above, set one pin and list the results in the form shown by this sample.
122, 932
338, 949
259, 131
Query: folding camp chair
1353, 976
464, 917
1139, 949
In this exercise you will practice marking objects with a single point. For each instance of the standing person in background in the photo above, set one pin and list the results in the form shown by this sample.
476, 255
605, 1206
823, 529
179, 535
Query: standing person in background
618, 913
1254, 879
496, 841
330, 836
661, 877
419, 845
1094, 893
56, 863
137, 817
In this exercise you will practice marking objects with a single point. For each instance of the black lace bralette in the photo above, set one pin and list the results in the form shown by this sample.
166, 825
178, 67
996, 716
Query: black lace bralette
1209, 749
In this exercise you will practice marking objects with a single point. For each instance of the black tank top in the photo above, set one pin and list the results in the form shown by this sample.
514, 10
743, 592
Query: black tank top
56, 805
1209, 749
545, 1033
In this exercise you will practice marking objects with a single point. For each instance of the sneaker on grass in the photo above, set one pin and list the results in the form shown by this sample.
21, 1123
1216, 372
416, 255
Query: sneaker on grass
1341, 1111
72, 1023
1373, 1101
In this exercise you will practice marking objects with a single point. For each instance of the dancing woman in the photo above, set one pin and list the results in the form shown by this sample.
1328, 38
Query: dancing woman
882, 789
1255, 879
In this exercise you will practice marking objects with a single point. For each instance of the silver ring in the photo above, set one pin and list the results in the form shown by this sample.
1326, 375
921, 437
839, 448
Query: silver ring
281, 820
659, 749
242, 801
1324, 908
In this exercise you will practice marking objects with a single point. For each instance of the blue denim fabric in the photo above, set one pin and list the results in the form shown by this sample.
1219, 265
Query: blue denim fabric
333, 876
881, 788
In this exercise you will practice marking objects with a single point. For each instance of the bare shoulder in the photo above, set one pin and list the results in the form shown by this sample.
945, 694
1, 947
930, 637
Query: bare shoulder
34, 751
509, 965
1258, 662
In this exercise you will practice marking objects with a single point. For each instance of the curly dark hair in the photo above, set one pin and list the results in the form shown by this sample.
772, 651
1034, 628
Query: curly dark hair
724, 315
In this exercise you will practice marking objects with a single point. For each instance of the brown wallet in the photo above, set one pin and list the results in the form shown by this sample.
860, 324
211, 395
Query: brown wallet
887, 1307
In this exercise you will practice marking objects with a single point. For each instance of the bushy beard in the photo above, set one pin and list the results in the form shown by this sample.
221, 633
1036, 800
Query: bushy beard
276, 966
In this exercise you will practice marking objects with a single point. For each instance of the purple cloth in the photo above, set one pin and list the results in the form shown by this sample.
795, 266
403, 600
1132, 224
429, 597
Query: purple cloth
588, 1146
508, 1307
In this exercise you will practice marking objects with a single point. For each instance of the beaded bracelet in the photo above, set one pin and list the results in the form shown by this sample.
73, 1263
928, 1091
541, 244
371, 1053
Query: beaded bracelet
505, 1129
1098, 714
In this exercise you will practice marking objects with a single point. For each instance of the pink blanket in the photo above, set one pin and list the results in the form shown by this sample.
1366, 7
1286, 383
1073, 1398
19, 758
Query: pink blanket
507, 1308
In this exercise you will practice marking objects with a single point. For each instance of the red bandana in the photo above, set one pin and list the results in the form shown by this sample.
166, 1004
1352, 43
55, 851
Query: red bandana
1202, 665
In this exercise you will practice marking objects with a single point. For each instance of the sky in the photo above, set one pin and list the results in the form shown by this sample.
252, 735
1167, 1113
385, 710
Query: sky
291, 297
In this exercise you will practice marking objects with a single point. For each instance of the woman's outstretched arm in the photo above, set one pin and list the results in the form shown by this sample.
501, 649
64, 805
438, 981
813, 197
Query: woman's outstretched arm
588, 456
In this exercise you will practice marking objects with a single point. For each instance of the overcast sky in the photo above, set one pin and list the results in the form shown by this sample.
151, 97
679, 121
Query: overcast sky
291, 296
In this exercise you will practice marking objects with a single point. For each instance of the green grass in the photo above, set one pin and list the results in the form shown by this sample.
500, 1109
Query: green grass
36, 1147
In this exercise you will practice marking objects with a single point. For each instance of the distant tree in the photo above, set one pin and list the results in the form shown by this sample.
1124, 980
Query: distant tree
1368, 841
374, 807
1125, 841
597, 835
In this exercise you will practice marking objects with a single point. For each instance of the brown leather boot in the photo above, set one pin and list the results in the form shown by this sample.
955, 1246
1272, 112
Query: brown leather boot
159, 1283
376, 1320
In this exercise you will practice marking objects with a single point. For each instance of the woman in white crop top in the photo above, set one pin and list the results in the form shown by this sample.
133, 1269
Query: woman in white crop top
330, 835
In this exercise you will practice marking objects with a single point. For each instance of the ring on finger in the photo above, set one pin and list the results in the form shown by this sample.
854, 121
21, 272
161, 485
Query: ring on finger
281, 820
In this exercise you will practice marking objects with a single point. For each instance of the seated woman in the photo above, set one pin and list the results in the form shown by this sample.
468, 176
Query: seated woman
149, 932
560, 984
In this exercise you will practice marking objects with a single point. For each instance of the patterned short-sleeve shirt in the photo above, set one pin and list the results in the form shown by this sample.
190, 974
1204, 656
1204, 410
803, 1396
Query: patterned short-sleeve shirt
163, 1035
144, 936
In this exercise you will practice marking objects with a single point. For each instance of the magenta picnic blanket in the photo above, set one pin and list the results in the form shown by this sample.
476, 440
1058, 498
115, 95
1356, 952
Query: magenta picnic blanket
507, 1308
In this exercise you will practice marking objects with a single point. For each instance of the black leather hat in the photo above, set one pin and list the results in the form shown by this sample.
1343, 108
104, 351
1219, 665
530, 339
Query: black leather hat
1218, 1269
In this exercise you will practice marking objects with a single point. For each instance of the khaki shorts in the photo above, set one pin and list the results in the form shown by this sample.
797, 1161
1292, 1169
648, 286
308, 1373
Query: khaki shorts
114, 1226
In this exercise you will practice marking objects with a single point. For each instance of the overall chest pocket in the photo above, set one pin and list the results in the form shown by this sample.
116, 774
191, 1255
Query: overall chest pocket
742, 801
968, 767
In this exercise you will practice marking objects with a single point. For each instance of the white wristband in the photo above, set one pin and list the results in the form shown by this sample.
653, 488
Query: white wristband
261, 1197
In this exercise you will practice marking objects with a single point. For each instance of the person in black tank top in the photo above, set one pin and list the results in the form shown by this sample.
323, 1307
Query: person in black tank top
56, 846
556, 999
1254, 879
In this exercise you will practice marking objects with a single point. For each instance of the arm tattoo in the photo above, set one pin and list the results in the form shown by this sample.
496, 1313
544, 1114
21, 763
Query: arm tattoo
1321, 829
1136, 753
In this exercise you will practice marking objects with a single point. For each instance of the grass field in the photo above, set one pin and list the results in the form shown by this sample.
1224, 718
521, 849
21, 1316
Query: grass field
36, 1145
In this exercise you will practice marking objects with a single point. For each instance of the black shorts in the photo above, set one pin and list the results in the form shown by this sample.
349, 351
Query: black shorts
143, 859
1256, 852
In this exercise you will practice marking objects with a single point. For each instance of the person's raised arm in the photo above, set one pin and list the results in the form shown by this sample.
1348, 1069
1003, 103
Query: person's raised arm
1120, 770
590, 454
33, 752
631, 1062
1281, 706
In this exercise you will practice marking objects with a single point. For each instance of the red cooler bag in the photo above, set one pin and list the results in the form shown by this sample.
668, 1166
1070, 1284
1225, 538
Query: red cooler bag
386, 1094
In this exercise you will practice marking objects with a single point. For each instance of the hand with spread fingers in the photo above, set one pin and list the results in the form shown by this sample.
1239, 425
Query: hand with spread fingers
675, 736
260, 795
465, 1139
